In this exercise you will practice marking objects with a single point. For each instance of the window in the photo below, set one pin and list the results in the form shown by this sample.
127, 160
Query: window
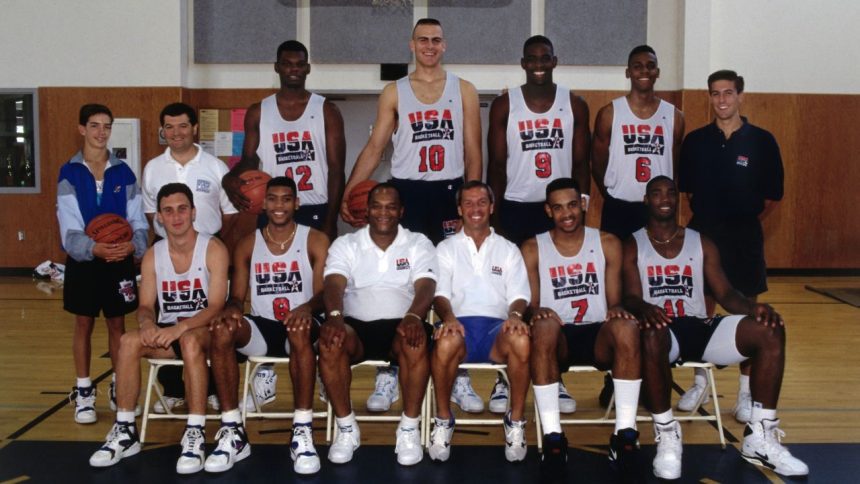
19, 141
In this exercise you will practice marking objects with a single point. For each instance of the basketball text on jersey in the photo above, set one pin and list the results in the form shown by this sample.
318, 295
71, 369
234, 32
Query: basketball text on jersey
430, 125
293, 147
277, 277
670, 280
183, 295
638, 139
572, 281
541, 134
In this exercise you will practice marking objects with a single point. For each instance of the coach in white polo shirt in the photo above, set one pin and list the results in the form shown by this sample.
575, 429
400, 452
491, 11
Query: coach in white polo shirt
379, 284
482, 292
185, 162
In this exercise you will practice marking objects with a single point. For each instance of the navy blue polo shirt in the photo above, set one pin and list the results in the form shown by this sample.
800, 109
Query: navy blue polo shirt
730, 178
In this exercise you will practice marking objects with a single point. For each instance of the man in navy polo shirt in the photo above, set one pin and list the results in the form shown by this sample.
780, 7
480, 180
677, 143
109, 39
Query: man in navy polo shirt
732, 172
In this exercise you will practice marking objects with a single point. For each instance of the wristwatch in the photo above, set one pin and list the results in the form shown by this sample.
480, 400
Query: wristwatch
334, 313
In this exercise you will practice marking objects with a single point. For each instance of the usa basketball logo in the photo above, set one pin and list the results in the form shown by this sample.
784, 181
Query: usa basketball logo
496, 270
742, 161
431, 125
293, 147
182, 296
641, 140
670, 280
541, 134
573, 280
277, 278
402, 264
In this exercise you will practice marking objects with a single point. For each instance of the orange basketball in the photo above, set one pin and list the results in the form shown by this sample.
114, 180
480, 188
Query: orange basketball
109, 228
358, 198
255, 189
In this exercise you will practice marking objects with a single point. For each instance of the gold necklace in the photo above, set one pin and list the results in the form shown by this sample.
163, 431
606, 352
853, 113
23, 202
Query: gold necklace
286, 241
664, 242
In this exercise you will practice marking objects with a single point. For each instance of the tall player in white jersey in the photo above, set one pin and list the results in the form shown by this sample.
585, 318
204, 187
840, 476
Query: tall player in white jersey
282, 264
636, 137
186, 276
538, 132
665, 269
575, 277
297, 134
435, 119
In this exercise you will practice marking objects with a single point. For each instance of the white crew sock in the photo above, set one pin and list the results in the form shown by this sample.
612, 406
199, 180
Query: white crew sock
197, 420
546, 397
346, 421
626, 403
303, 416
663, 418
759, 413
84, 382
124, 416
743, 383
408, 422
701, 378
231, 416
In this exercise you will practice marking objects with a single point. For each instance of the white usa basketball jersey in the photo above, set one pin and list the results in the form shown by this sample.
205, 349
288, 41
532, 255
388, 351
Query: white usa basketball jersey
540, 146
296, 149
428, 142
676, 285
181, 296
639, 149
574, 287
280, 283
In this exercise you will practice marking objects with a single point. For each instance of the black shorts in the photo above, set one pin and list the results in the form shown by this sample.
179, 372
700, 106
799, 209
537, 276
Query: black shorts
521, 221
175, 346
275, 335
377, 337
311, 215
621, 218
430, 207
96, 286
741, 246
581, 339
693, 335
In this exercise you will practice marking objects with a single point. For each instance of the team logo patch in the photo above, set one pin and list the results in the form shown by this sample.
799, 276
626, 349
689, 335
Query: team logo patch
203, 186
293, 147
541, 134
670, 280
402, 264
450, 227
496, 270
117, 188
574, 280
278, 277
641, 140
126, 290
742, 160
431, 125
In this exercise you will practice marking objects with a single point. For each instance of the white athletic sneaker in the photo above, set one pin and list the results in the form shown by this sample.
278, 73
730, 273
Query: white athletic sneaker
264, 387
213, 402
408, 449
121, 441
112, 399
386, 391
85, 404
689, 399
302, 451
346, 440
667, 462
515, 439
499, 397
172, 402
763, 447
566, 402
232, 447
743, 407
323, 396
464, 395
440, 439
191, 458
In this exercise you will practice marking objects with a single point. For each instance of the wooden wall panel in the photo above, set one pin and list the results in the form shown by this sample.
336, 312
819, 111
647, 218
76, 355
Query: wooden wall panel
814, 227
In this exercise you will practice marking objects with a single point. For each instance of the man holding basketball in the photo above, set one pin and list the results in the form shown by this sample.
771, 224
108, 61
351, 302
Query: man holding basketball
297, 134
100, 278
287, 261
185, 275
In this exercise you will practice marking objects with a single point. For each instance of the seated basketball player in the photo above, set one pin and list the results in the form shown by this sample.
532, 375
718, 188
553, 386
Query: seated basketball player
575, 277
379, 283
481, 295
287, 261
186, 276
665, 269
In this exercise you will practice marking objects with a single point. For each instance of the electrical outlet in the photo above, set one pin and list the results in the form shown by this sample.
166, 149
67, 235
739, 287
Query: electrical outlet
21, 235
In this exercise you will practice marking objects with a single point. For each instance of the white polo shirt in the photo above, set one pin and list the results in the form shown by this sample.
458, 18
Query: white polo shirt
202, 174
481, 282
381, 284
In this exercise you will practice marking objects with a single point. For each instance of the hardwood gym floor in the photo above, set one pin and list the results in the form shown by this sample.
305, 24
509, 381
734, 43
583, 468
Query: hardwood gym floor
819, 408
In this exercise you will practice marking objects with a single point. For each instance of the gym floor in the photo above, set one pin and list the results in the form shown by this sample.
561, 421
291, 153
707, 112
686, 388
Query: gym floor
818, 406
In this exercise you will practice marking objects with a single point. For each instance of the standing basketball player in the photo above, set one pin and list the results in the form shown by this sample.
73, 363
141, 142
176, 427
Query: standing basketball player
100, 278
185, 274
636, 137
297, 134
282, 264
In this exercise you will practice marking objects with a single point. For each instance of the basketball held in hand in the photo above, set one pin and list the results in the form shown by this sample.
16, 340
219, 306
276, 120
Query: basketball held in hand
254, 188
358, 199
109, 228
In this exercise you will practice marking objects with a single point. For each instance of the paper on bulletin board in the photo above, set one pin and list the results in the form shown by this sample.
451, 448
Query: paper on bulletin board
237, 120
223, 143
208, 124
238, 142
208, 147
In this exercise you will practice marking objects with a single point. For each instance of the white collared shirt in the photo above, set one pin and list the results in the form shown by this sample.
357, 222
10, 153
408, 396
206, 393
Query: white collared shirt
381, 284
481, 282
202, 174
